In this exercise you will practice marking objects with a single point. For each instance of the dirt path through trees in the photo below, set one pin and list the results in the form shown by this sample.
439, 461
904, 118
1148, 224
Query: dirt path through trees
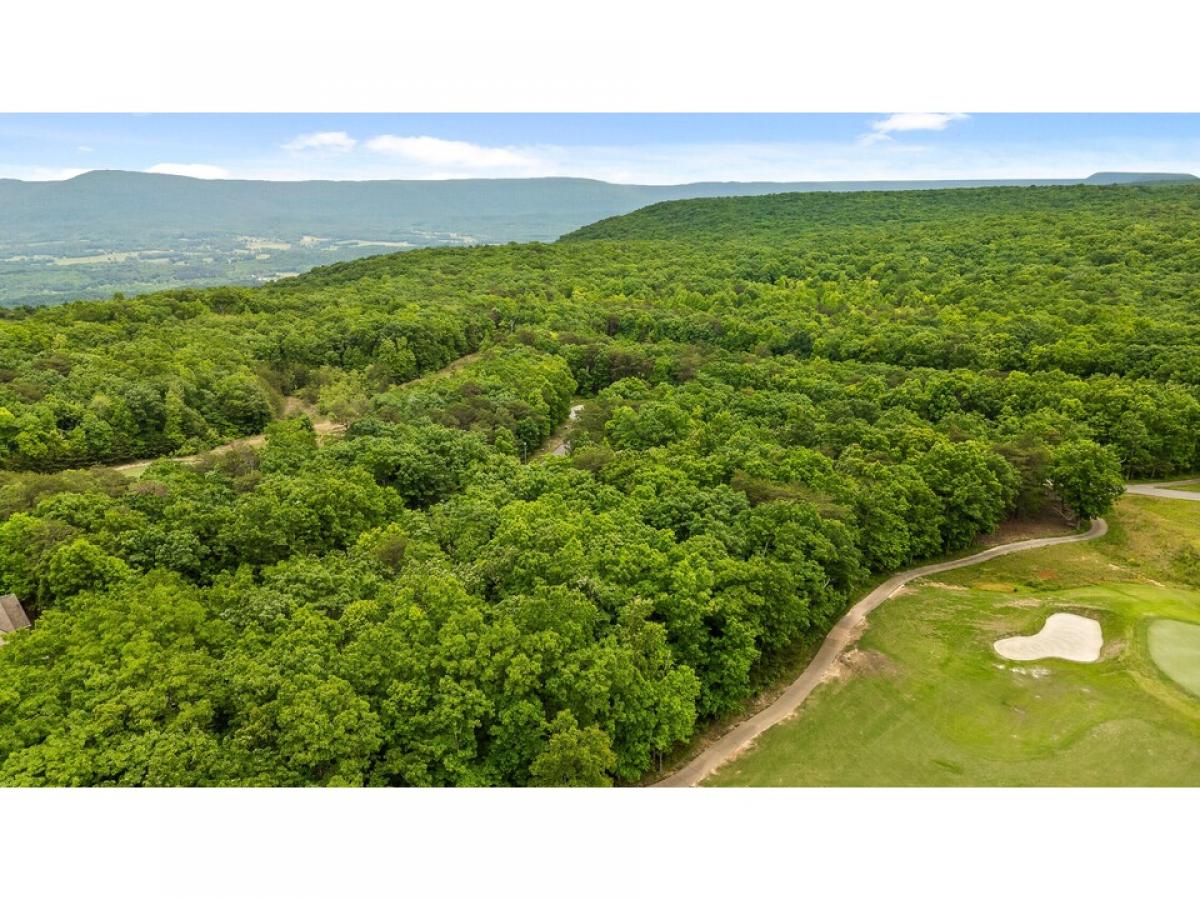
321, 427
290, 405
557, 443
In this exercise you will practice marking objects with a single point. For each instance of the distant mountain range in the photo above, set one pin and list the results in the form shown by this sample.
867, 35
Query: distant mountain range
107, 231
117, 205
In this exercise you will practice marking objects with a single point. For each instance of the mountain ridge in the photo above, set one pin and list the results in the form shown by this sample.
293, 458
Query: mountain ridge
1101, 175
110, 230
126, 209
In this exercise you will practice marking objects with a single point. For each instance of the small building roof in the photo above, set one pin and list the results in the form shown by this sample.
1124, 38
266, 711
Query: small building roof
12, 614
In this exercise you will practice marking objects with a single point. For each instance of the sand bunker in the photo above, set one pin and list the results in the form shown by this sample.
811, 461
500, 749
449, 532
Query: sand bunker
1064, 636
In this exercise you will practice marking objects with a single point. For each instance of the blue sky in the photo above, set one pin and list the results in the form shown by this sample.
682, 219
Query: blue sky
643, 148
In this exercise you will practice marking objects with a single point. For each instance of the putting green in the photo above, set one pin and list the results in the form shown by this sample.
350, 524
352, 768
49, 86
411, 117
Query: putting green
1175, 648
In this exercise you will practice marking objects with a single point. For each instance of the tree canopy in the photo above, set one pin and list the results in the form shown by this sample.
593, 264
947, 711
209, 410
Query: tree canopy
782, 398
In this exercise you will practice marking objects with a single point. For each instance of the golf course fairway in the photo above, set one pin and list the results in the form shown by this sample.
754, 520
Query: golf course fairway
924, 699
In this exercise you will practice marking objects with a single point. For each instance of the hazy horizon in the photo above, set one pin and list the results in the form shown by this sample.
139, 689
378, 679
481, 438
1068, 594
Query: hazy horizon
453, 178
643, 149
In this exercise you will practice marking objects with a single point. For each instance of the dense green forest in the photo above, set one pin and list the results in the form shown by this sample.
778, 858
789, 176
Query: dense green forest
783, 397
104, 232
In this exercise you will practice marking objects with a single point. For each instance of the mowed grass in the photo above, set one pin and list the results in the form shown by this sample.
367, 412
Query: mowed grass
924, 699
1175, 648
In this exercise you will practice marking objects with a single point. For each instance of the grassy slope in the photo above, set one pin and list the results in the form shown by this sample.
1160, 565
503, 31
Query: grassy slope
929, 702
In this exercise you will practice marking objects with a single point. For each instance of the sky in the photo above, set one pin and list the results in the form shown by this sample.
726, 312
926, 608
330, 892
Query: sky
633, 149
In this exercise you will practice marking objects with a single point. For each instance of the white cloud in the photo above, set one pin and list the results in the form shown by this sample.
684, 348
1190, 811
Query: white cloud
84, 148
913, 154
321, 140
444, 154
189, 170
917, 121
881, 130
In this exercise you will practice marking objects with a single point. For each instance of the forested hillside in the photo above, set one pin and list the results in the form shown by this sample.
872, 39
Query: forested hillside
105, 232
783, 398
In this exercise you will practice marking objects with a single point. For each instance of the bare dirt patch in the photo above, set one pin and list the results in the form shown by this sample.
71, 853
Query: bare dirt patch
1024, 602
1112, 649
999, 587
295, 406
941, 586
857, 662
870, 662
1032, 671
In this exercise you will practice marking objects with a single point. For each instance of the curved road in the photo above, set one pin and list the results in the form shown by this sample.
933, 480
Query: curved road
1163, 489
293, 404
844, 633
